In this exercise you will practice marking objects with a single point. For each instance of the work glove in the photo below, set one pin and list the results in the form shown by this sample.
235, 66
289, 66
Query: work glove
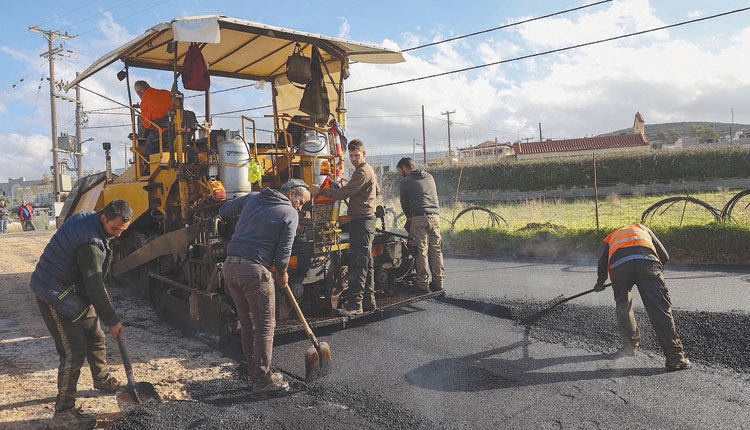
599, 287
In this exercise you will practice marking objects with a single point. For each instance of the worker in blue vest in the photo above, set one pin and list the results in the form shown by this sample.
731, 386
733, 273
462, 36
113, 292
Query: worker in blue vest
68, 282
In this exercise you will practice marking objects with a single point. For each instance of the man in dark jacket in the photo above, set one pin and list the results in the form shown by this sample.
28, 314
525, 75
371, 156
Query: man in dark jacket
361, 190
4, 217
634, 255
262, 241
419, 202
26, 214
68, 282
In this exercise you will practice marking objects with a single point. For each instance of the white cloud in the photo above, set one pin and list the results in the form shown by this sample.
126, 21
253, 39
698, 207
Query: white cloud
694, 14
344, 28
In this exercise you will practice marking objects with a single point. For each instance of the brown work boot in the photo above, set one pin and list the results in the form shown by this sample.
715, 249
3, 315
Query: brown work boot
436, 287
270, 387
109, 384
680, 364
621, 353
349, 310
71, 419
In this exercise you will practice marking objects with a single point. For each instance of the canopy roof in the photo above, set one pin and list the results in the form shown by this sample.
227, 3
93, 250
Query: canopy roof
235, 48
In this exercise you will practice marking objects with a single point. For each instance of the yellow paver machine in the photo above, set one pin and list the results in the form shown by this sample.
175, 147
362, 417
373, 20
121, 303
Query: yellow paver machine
174, 250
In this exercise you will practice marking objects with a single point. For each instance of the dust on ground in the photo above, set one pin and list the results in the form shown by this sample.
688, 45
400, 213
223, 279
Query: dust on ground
28, 360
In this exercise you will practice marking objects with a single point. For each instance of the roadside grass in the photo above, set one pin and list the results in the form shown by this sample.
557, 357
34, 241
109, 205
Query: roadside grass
567, 229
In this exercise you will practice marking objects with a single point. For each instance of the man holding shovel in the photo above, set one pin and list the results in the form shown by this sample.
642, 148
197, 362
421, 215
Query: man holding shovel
262, 240
68, 282
634, 255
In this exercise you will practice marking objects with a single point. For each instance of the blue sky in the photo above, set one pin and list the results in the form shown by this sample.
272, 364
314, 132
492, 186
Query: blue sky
696, 72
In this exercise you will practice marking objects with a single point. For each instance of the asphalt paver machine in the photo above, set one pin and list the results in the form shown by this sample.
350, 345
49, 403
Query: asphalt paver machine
174, 251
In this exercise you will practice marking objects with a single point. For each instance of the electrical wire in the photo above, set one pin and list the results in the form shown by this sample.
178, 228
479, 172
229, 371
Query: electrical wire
109, 126
126, 17
241, 110
66, 13
95, 15
506, 25
538, 54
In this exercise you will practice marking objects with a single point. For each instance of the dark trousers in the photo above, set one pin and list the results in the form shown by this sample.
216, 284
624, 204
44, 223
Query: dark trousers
75, 342
361, 270
647, 275
28, 225
252, 289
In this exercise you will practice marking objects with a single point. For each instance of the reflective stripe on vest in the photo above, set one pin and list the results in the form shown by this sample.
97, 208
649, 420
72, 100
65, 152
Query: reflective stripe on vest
625, 237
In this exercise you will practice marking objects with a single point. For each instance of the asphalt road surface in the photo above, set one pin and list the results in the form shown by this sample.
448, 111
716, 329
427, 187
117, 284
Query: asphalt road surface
466, 362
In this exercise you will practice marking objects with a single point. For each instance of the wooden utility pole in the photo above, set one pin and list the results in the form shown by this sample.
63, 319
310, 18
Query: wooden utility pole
448, 114
596, 194
424, 139
540, 131
79, 132
50, 55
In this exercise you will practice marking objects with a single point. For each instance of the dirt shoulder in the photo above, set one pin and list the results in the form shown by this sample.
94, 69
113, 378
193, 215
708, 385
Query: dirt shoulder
28, 361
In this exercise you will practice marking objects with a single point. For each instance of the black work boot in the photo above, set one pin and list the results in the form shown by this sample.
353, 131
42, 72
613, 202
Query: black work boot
71, 419
369, 304
109, 384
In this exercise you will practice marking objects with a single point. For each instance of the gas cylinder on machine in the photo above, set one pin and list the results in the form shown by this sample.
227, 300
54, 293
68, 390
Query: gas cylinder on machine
314, 144
234, 160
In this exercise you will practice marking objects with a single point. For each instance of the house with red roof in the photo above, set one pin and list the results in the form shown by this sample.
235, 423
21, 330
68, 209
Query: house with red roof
586, 145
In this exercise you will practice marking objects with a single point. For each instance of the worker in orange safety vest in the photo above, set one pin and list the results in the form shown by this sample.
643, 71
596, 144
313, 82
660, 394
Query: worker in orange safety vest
634, 255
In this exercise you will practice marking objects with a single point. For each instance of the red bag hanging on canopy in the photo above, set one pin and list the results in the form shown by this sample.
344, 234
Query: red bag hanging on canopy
195, 71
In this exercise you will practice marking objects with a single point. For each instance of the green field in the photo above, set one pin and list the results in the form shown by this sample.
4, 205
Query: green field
567, 229
614, 211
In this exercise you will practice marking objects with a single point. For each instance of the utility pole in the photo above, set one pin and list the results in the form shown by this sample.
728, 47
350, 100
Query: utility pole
448, 114
50, 55
79, 132
540, 131
413, 148
731, 127
424, 139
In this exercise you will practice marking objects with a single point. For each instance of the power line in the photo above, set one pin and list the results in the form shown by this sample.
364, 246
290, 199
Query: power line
66, 13
472, 126
221, 91
96, 14
126, 17
538, 54
110, 126
507, 25
242, 110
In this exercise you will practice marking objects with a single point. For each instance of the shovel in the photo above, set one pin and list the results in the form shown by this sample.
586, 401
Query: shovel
133, 393
552, 304
318, 356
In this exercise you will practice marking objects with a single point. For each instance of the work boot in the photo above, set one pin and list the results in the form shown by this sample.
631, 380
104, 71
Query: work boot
71, 419
270, 387
680, 364
369, 304
622, 353
349, 310
108, 385
435, 287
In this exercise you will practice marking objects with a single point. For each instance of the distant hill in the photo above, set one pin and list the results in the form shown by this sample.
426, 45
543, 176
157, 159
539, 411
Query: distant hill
681, 127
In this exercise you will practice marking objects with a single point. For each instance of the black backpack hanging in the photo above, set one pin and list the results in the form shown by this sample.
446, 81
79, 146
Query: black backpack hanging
298, 67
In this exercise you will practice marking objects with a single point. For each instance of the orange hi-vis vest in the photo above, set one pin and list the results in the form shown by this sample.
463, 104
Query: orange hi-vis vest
625, 237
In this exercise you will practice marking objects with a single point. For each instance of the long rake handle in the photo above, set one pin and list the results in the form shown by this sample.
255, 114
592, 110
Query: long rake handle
301, 317
567, 299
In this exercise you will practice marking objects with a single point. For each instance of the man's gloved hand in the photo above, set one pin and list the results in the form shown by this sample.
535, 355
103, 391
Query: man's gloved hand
599, 287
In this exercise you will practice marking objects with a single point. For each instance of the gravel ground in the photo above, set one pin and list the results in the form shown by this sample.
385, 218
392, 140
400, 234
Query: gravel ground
714, 338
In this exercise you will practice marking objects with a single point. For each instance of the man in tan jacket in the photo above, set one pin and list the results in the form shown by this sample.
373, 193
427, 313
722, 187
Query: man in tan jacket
361, 191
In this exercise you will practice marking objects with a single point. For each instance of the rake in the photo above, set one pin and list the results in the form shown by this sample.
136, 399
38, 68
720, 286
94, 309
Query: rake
554, 303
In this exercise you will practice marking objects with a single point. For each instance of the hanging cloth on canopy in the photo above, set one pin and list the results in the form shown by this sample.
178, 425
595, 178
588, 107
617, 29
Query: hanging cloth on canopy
315, 98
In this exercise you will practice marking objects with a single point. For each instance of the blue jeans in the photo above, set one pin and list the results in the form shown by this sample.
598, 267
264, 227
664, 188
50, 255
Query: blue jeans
3, 226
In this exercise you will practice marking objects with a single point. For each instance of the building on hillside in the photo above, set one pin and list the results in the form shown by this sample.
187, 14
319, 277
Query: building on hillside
387, 162
586, 145
487, 150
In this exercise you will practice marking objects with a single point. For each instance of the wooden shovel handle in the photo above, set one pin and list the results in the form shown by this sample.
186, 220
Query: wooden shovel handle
301, 316
126, 359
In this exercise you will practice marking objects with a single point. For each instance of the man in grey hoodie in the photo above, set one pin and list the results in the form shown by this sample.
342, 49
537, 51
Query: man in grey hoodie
419, 201
262, 240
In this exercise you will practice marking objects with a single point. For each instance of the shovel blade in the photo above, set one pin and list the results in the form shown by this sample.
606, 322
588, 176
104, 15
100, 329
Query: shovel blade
128, 397
317, 362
